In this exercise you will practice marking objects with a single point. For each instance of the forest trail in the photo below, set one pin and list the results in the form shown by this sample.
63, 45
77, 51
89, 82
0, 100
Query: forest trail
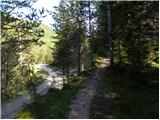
81, 105
12, 107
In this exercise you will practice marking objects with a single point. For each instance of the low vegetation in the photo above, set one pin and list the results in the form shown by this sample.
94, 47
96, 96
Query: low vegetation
20, 90
126, 94
55, 104
43, 53
82, 33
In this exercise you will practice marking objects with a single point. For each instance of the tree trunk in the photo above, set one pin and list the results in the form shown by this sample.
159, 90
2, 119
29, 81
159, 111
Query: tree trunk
32, 85
80, 62
67, 68
33, 89
119, 52
80, 54
90, 33
109, 32
63, 73
7, 79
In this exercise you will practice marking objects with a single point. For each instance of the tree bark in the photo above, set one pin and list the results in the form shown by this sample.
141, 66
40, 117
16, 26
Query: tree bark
80, 53
80, 63
63, 73
119, 52
90, 33
109, 32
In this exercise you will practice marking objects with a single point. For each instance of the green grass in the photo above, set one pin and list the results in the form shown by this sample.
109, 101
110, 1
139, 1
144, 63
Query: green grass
37, 79
55, 104
21, 89
154, 64
127, 96
42, 73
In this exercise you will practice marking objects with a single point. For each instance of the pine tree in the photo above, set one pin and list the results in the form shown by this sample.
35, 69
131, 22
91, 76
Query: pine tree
17, 36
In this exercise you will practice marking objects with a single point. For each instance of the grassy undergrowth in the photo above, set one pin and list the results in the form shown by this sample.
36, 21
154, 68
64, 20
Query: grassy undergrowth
21, 89
37, 81
127, 95
55, 104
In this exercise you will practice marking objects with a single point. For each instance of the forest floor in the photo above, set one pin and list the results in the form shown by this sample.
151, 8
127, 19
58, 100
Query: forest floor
11, 108
81, 105
127, 94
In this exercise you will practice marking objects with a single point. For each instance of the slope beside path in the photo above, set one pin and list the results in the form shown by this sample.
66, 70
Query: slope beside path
11, 108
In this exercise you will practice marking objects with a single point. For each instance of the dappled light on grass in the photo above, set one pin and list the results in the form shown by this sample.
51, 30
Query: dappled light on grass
112, 95
26, 115
21, 88
103, 63
154, 64
55, 104
123, 96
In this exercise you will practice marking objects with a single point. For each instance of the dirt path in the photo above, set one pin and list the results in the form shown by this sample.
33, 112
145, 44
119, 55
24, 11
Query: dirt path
11, 108
80, 107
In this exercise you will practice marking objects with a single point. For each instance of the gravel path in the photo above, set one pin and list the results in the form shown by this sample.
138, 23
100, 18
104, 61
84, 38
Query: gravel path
11, 108
80, 107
